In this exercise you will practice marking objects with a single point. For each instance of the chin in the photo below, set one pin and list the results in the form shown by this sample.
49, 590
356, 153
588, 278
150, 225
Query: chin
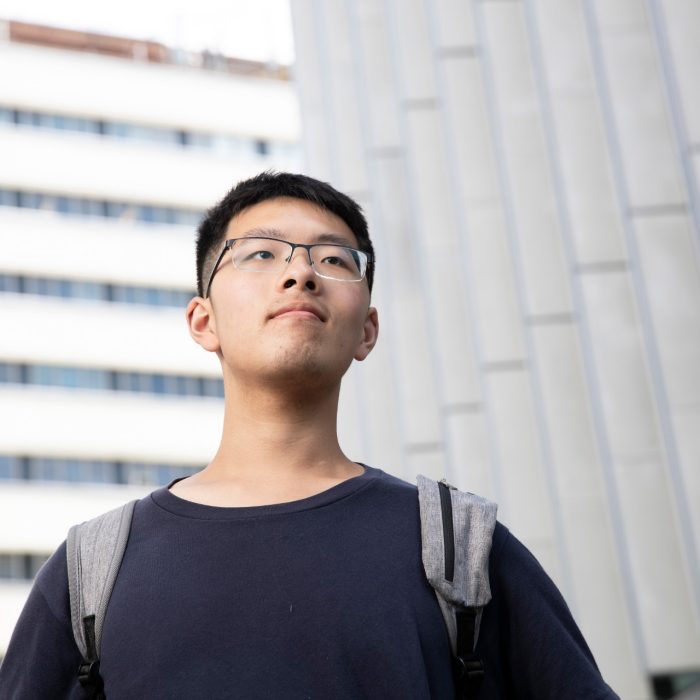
304, 366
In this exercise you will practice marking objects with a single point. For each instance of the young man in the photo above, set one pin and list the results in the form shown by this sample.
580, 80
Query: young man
284, 569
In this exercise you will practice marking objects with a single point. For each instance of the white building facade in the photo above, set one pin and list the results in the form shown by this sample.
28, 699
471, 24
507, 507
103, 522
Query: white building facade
530, 169
110, 151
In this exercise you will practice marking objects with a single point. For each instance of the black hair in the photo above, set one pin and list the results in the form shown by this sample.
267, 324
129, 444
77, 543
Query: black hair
271, 185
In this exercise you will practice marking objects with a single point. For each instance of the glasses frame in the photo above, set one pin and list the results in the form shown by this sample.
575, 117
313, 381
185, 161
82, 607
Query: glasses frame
228, 244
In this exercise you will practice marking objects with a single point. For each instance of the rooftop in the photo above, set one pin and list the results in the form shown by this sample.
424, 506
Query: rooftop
136, 50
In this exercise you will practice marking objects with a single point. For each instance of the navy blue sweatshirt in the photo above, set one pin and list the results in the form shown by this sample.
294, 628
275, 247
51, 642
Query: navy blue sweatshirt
319, 598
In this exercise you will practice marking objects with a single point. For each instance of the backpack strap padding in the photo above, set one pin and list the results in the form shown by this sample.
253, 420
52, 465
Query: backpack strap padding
94, 552
473, 520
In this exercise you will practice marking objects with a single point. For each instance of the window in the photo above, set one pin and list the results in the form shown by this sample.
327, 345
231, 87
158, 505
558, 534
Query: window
9, 198
7, 116
10, 283
73, 470
81, 206
95, 291
11, 467
21, 566
225, 145
29, 200
110, 380
10, 373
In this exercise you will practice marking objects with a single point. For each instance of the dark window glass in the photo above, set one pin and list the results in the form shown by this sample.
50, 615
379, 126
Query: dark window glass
11, 566
9, 198
11, 467
10, 373
90, 471
104, 380
158, 384
30, 200
24, 117
10, 283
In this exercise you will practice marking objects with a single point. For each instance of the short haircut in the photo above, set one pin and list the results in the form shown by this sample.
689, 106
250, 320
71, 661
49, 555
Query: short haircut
272, 185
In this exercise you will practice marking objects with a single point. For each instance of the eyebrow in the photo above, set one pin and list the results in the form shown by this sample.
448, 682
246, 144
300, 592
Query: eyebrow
335, 238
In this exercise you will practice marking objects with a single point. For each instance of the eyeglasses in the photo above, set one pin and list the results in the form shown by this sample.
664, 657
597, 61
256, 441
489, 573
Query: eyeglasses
262, 254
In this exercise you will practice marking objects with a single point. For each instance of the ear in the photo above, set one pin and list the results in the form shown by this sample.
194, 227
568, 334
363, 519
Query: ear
370, 331
201, 323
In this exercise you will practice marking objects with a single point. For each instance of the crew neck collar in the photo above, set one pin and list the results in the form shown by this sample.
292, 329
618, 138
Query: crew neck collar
165, 499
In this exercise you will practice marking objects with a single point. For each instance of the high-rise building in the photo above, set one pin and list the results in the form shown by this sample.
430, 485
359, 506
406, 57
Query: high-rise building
110, 150
530, 171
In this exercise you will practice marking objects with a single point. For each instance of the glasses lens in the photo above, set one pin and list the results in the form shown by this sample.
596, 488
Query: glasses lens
260, 254
339, 263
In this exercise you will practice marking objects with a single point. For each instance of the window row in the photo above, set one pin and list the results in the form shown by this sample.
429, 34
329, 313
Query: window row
23, 468
83, 206
109, 380
96, 291
226, 145
21, 567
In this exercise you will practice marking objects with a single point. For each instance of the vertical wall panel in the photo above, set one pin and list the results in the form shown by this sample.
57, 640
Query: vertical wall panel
617, 346
524, 491
350, 173
525, 160
411, 44
640, 468
381, 98
307, 71
469, 132
597, 593
670, 269
670, 634
417, 386
454, 25
587, 181
686, 422
473, 466
496, 298
682, 20
440, 256
649, 158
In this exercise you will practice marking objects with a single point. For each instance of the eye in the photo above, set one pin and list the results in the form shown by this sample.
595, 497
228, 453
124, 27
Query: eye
260, 255
334, 260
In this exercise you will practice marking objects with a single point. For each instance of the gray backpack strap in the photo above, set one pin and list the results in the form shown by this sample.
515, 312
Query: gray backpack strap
94, 552
456, 531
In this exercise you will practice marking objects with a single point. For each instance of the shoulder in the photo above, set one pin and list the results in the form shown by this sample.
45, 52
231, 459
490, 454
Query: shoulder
528, 621
521, 584
51, 583
387, 489
517, 574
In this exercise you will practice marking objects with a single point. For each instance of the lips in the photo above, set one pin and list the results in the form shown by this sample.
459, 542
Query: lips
299, 310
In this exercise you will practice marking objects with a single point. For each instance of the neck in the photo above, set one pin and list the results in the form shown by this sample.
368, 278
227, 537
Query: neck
279, 435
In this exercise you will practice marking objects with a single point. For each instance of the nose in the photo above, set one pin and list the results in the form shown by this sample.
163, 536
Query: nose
299, 273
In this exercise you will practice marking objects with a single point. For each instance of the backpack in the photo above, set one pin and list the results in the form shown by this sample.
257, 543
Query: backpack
456, 532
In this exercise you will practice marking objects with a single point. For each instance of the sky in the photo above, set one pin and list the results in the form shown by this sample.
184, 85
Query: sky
254, 29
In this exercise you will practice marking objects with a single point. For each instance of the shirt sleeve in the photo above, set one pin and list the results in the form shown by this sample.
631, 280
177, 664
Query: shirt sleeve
42, 658
544, 654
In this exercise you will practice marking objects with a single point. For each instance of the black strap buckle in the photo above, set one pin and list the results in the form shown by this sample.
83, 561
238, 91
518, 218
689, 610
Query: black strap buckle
468, 674
90, 678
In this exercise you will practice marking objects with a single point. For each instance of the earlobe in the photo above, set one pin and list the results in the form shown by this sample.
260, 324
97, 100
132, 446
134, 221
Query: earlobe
200, 321
370, 332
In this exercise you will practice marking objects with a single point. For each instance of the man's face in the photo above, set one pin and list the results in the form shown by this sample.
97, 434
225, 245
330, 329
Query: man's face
291, 326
